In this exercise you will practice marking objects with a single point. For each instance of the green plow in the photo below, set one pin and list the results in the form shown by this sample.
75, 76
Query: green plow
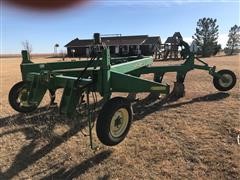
104, 75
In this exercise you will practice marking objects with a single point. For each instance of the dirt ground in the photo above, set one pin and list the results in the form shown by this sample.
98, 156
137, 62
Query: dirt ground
192, 138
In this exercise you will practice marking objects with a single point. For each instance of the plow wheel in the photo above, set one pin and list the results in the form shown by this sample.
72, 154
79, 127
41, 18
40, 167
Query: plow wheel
18, 96
114, 121
226, 82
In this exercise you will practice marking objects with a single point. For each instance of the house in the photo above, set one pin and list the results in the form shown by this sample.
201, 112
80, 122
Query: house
118, 45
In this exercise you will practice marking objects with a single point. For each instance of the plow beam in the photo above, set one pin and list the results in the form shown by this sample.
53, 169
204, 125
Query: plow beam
127, 83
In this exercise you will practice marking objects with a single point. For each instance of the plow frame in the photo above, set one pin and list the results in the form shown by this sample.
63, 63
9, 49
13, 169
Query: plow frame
101, 77
104, 75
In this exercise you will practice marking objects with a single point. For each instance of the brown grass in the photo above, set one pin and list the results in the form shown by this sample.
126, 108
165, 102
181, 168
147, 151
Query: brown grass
194, 137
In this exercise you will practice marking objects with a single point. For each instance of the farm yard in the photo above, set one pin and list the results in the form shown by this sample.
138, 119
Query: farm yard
194, 137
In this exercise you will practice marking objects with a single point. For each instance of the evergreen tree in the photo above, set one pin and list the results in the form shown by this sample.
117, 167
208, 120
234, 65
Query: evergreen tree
233, 39
206, 36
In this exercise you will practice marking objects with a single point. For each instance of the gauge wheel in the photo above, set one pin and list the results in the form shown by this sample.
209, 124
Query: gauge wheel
114, 121
18, 98
226, 82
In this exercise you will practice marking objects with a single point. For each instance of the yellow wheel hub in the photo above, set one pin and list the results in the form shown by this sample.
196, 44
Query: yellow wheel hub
119, 122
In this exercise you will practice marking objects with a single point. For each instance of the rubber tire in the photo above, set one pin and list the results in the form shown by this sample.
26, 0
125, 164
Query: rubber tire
13, 96
218, 86
105, 117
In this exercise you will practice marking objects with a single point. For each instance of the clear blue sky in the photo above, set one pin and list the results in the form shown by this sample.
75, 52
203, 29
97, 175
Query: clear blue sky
161, 18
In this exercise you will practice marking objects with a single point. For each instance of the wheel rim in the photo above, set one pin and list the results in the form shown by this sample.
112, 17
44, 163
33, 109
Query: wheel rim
226, 80
119, 122
22, 98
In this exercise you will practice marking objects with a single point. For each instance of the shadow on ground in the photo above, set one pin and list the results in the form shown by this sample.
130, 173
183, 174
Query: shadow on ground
81, 168
148, 105
27, 156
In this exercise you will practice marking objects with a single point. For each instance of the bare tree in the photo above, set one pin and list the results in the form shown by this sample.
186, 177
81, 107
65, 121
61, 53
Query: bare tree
27, 46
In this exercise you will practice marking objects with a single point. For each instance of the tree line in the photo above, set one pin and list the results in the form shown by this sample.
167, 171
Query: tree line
206, 37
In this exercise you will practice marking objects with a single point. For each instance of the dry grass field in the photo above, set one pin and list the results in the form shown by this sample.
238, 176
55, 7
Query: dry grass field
192, 138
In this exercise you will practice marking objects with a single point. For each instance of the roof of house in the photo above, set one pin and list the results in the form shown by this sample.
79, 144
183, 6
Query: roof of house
78, 42
152, 40
124, 40
117, 40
